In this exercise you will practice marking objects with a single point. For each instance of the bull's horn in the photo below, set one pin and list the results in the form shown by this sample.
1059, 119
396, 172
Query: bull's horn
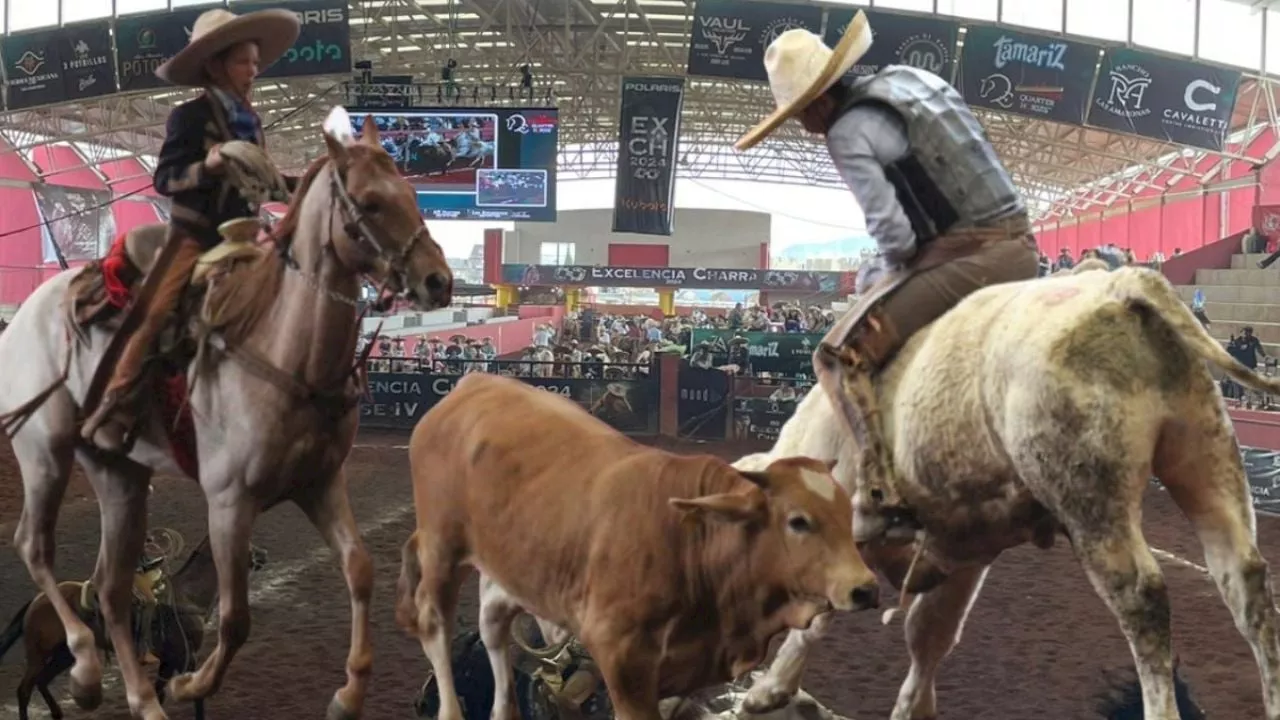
542, 653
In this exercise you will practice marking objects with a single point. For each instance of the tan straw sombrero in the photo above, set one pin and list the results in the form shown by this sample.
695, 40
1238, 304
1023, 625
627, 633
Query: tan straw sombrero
801, 67
274, 31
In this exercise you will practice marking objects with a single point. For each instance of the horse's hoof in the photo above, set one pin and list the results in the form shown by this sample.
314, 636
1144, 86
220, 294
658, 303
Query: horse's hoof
87, 696
766, 697
338, 712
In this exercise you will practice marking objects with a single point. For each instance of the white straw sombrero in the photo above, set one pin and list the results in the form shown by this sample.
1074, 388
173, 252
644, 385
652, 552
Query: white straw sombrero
274, 31
801, 67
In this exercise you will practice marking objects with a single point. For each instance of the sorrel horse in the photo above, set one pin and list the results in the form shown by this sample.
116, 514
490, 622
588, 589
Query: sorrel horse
176, 632
273, 398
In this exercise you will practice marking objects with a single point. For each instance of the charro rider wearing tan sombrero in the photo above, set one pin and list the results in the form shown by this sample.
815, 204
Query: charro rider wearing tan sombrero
223, 57
942, 209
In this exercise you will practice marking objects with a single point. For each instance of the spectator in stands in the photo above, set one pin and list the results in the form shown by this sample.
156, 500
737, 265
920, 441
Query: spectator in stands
735, 317
542, 336
1064, 260
785, 393
1197, 308
1247, 348
701, 357
1177, 252
1043, 265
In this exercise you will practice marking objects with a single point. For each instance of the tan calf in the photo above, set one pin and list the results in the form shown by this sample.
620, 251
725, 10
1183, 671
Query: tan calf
673, 571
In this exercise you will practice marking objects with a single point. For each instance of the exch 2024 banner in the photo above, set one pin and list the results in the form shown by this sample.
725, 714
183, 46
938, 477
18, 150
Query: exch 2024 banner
58, 65
729, 36
144, 42
1028, 74
648, 137
1163, 98
927, 43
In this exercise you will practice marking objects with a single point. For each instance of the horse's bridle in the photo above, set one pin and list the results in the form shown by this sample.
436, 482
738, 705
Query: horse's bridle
366, 233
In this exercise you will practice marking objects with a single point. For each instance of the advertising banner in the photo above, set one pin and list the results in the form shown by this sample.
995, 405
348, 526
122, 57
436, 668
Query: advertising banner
696, 278
79, 221
788, 354
928, 43
58, 65
145, 42
703, 403
1037, 75
1163, 98
729, 36
648, 145
760, 419
399, 400
1266, 220
323, 46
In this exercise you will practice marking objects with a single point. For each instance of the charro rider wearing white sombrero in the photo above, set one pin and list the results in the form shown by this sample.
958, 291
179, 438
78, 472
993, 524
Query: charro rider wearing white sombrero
223, 56
942, 209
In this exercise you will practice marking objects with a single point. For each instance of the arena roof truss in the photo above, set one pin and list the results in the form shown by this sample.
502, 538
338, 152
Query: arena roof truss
578, 50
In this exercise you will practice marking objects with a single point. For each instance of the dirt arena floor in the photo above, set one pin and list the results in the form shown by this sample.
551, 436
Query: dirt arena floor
1039, 643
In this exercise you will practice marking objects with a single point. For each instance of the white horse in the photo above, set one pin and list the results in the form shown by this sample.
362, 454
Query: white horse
273, 399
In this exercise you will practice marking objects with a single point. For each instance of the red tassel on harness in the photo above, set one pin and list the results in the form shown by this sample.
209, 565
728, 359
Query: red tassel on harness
115, 271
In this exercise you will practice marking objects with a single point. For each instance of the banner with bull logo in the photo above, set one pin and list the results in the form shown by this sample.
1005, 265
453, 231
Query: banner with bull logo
928, 43
1037, 75
78, 224
58, 65
730, 36
1162, 98
397, 401
648, 143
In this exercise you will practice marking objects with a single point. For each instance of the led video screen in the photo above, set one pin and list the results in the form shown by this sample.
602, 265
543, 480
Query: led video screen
474, 163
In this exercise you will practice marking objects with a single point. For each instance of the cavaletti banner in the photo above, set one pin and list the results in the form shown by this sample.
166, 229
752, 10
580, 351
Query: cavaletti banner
399, 400
323, 46
58, 65
1037, 75
788, 354
928, 43
145, 42
78, 221
696, 278
1163, 98
729, 36
648, 140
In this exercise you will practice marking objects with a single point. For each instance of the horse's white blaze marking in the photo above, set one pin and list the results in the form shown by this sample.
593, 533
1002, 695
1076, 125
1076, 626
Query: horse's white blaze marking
820, 483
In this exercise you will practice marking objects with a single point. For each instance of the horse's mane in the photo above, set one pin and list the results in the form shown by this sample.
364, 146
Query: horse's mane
238, 301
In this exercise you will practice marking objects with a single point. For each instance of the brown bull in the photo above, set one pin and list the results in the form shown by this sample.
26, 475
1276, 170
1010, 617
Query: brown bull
673, 571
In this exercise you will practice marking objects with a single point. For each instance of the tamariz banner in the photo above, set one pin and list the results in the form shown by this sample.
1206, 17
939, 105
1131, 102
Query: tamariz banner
1037, 75
729, 36
1167, 99
648, 137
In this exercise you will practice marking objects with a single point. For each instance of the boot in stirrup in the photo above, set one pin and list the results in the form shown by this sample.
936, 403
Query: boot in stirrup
110, 427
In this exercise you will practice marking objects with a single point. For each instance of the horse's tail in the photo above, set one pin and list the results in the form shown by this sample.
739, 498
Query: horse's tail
407, 586
1148, 292
12, 633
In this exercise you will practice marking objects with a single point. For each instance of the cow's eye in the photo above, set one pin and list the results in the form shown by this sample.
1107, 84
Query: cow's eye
799, 523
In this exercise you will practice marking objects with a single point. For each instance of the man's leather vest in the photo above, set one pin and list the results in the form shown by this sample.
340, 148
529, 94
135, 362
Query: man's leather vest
951, 178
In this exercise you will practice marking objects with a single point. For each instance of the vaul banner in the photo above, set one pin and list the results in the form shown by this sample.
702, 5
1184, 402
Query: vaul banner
649, 136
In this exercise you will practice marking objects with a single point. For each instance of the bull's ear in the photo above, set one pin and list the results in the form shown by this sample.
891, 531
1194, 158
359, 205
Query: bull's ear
759, 478
725, 507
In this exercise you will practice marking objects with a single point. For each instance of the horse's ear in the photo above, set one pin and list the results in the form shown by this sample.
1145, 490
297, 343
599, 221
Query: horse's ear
338, 134
370, 132
337, 150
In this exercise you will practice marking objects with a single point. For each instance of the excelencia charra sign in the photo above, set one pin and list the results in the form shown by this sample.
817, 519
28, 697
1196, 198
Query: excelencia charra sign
698, 278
